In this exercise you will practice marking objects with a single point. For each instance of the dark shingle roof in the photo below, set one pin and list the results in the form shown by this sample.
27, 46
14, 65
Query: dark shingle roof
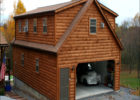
48, 8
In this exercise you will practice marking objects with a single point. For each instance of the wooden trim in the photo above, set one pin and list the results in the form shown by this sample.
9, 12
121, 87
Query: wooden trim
89, 26
108, 10
112, 30
55, 29
69, 6
58, 78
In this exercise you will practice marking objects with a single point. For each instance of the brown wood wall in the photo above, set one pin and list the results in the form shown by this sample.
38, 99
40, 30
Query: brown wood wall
44, 81
81, 47
63, 19
37, 37
110, 17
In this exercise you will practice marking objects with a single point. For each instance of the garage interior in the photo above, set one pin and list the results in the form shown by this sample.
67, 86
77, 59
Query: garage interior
94, 78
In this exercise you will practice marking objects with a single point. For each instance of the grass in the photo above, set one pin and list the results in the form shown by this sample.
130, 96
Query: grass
130, 80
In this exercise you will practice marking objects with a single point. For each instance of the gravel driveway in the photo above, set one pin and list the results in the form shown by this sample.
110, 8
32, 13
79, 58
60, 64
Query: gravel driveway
123, 94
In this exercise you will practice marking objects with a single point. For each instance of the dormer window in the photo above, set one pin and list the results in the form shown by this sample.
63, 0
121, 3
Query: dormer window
35, 25
19, 26
92, 26
44, 25
26, 26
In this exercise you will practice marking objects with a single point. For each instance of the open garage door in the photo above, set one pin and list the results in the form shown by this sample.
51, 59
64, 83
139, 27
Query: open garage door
94, 78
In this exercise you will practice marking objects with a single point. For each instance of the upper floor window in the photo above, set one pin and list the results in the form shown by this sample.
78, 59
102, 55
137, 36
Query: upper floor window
19, 26
44, 25
93, 26
22, 59
35, 25
37, 65
26, 26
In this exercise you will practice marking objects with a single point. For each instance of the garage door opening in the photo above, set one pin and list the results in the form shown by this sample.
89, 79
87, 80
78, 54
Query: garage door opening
94, 78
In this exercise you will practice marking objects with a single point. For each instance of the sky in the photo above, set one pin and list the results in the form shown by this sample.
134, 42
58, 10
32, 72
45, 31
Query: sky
126, 9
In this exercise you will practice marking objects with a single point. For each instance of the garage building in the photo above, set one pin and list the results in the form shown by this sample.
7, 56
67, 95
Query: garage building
58, 50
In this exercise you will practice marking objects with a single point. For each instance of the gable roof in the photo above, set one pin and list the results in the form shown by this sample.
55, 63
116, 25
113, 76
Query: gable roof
52, 8
2, 40
70, 29
59, 7
110, 26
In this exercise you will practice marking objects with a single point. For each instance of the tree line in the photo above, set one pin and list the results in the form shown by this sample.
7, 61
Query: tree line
8, 29
129, 34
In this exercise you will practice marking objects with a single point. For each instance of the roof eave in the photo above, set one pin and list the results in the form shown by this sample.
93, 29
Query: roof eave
26, 15
37, 46
109, 10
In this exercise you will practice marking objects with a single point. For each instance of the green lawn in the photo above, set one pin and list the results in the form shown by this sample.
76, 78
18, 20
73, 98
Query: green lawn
129, 80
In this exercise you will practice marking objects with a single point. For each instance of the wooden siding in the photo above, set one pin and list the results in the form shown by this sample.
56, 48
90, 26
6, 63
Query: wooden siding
82, 47
63, 19
111, 18
44, 81
39, 36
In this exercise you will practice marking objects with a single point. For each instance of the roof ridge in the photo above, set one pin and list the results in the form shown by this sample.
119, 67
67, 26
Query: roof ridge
60, 3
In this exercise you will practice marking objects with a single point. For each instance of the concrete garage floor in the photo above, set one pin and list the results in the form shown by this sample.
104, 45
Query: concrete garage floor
122, 94
88, 91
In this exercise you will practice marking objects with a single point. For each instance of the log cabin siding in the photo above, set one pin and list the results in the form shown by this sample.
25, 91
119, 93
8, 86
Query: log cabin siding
44, 81
82, 47
111, 18
63, 19
39, 36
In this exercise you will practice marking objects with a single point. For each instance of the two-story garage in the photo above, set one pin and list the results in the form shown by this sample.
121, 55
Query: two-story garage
60, 49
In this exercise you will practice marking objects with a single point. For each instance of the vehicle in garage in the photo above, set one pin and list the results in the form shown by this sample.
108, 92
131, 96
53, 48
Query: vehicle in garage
88, 76
57, 40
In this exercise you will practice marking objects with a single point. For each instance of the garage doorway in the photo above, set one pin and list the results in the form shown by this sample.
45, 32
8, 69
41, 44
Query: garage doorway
94, 78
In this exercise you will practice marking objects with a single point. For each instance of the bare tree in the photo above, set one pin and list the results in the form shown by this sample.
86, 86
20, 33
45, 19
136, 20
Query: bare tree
129, 34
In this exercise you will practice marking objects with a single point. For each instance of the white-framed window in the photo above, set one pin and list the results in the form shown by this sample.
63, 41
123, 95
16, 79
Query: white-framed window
93, 26
19, 26
35, 25
37, 65
26, 26
22, 59
44, 25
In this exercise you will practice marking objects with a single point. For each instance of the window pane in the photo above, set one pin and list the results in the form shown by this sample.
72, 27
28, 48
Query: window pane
37, 65
35, 30
92, 25
19, 26
92, 29
44, 28
35, 22
44, 22
93, 22
26, 22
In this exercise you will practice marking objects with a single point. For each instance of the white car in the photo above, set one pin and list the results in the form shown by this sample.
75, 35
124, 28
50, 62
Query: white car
91, 78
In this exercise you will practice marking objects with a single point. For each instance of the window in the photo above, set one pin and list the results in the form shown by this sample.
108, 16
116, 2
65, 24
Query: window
35, 25
19, 26
92, 26
22, 59
37, 65
44, 25
26, 26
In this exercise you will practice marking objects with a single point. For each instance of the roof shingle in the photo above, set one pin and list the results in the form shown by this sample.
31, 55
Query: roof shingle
48, 8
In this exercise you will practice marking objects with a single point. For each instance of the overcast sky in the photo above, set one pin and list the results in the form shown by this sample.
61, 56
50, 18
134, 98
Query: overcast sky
125, 8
